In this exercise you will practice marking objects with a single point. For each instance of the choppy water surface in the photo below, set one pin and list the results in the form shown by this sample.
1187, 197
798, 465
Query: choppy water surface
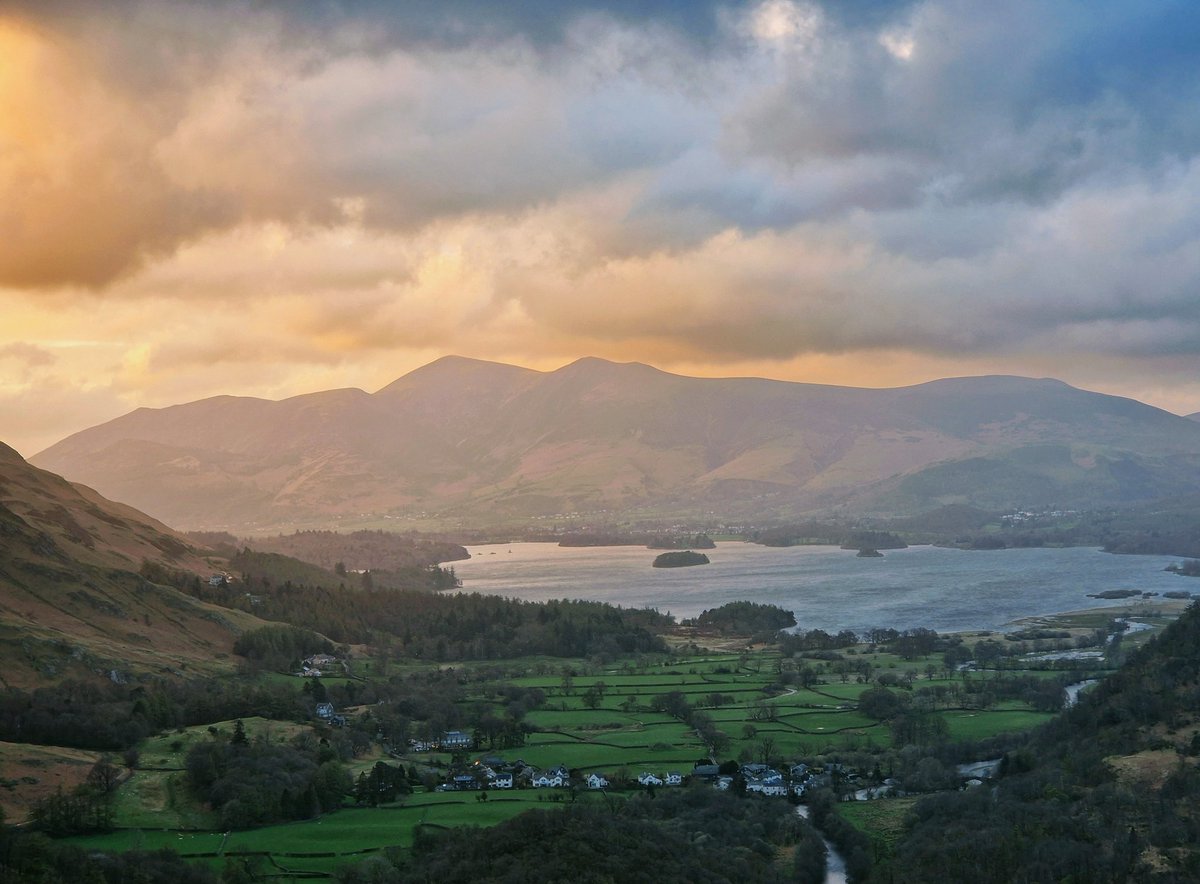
827, 588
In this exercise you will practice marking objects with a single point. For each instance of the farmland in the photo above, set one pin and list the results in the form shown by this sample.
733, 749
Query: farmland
655, 713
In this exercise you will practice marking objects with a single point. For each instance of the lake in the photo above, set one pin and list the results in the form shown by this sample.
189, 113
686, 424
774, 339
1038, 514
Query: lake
826, 587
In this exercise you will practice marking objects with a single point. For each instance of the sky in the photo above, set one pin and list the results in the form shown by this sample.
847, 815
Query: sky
274, 197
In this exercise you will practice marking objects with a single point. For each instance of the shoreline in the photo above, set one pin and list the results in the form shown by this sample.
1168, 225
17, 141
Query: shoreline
1139, 608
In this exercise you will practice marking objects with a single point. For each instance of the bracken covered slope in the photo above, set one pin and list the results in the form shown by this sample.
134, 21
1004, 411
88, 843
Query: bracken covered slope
72, 603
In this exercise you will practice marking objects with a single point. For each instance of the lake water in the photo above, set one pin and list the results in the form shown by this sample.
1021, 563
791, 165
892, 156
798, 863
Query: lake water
827, 588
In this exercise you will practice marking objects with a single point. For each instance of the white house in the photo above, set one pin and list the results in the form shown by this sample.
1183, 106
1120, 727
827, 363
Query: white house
325, 710
762, 787
502, 781
597, 781
456, 740
674, 778
648, 779
548, 780
723, 782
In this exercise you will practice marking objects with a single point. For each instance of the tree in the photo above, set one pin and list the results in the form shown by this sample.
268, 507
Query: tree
239, 734
879, 703
385, 782
104, 776
592, 697
316, 690
674, 703
332, 783
913, 643
766, 748
808, 677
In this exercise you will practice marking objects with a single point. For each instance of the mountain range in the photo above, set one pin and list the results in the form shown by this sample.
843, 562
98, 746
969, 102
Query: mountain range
473, 441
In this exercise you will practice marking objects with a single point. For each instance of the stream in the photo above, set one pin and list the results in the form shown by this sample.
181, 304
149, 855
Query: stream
835, 866
1072, 691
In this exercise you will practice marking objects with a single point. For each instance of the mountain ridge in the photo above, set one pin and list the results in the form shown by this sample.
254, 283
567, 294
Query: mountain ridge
73, 602
466, 438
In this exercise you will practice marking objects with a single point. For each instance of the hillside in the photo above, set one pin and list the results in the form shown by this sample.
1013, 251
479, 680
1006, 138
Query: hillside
360, 550
72, 603
1105, 792
463, 439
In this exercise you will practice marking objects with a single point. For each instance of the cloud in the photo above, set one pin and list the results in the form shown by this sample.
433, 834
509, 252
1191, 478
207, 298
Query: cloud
35, 417
273, 197
27, 355
1018, 102
113, 169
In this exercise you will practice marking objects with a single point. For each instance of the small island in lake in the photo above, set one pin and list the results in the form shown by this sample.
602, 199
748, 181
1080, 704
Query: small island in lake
868, 553
1115, 594
681, 559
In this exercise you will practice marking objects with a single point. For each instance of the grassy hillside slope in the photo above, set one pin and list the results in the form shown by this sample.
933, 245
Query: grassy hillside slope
72, 602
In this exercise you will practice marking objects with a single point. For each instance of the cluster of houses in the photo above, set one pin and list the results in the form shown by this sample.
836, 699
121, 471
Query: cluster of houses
673, 778
449, 741
492, 772
318, 665
761, 779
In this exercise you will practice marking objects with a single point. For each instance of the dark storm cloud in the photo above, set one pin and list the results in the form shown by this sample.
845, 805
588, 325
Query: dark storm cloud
1019, 100
946, 176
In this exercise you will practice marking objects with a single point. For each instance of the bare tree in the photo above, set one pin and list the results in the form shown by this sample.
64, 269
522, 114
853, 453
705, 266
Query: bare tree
104, 775
766, 748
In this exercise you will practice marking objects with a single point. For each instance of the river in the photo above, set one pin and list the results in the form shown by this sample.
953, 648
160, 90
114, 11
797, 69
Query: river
835, 866
827, 588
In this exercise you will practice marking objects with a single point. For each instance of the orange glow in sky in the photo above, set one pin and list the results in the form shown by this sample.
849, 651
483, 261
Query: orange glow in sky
299, 198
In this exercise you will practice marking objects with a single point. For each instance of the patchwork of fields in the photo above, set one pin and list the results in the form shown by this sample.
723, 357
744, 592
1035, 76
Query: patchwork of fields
593, 719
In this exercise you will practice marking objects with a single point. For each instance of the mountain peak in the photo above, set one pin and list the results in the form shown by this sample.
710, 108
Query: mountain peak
451, 369
594, 366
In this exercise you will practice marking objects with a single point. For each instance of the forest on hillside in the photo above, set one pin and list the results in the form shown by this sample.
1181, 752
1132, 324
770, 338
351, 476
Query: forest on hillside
1108, 791
448, 626
692, 836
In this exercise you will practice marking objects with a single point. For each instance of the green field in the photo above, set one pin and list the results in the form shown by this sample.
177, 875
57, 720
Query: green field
762, 709
882, 819
160, 799
976, 725
323, 844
